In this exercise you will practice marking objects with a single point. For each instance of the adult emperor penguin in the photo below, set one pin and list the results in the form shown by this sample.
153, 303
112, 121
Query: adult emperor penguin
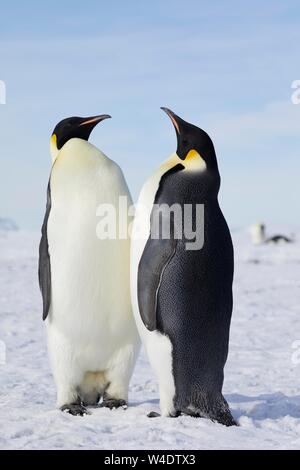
182, 297
84, 279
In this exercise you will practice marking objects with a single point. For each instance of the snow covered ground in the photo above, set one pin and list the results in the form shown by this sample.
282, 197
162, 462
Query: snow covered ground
262, 381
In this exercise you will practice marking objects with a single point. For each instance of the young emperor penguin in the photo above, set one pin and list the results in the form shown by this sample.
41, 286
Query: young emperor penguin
84, 279
182, 296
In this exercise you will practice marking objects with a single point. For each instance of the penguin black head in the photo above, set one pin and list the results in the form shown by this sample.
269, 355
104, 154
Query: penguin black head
73, 127
193, 144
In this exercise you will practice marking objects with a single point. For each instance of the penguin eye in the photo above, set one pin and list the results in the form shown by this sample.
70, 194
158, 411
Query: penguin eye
184, 142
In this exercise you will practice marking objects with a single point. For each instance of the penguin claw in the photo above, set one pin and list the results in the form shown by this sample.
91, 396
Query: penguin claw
113, 404
75, 410
153, 414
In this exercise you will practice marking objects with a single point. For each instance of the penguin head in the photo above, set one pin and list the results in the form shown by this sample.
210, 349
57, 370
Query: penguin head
194, 146
70, 128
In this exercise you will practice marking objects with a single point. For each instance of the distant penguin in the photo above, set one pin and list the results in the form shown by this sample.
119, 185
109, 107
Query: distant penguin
84, 280
258, 236
182, 298
278, 239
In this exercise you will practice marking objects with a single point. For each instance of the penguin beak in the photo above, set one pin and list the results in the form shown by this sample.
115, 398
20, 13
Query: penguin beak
174, 118
94, 120
181, 129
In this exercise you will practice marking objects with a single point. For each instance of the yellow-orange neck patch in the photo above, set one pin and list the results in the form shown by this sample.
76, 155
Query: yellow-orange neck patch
53, 147
194, 162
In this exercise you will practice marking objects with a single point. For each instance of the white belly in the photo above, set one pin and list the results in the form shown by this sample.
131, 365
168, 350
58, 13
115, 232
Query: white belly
157, 345
90, 302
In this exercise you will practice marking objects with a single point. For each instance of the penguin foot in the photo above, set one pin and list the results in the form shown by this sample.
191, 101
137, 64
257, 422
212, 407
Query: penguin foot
114, 403
153, 414
75, 410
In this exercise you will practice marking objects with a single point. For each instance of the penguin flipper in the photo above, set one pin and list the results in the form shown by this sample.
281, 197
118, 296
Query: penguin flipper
156, 256
44, 260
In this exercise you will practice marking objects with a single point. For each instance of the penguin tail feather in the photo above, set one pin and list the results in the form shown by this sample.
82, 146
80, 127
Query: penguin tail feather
213, 407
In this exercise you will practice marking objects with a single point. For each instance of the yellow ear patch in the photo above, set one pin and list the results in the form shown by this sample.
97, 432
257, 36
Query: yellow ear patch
193, 161
53, 147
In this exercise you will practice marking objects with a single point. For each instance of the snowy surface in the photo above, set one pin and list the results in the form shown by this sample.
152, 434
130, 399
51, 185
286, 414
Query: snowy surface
262, 382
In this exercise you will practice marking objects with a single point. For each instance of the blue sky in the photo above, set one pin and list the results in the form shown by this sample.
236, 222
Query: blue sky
225, 66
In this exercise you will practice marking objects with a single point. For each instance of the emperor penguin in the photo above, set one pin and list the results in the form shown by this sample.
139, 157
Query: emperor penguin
182, 294
258, 236
85, 278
